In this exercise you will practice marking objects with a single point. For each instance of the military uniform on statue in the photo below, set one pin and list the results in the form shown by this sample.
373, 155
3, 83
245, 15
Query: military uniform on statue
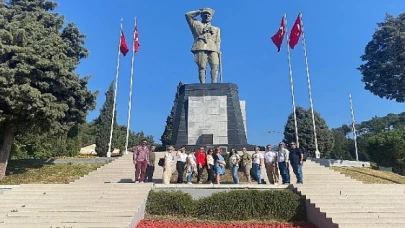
207, 42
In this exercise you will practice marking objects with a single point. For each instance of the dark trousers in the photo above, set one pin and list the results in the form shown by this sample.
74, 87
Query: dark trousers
180, 171
210, 171
284, 172
200, 170
149, 173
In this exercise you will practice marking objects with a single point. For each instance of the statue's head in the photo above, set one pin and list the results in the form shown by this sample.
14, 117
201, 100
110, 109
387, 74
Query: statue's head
207, 14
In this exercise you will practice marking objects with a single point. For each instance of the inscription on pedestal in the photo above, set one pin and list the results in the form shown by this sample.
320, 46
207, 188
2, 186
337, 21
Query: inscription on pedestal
207, 115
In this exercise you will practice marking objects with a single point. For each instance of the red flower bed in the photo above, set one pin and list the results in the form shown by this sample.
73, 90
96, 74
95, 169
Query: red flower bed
161, 224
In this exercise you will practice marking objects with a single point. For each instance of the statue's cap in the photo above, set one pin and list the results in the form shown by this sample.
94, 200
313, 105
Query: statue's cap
208, 11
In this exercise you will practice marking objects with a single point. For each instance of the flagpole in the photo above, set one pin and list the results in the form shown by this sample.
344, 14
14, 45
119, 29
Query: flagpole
304, 44
292, 84
130, 88
353, 127
115, 92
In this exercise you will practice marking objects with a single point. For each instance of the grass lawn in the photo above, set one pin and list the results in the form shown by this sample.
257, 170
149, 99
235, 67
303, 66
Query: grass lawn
225, 179
36, 173
185, 219
371, 176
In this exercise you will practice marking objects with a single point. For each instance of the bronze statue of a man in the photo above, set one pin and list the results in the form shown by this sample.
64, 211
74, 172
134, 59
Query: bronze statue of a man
207, 41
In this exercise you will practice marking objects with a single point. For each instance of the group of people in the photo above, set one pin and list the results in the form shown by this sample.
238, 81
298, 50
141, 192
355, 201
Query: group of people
193, 164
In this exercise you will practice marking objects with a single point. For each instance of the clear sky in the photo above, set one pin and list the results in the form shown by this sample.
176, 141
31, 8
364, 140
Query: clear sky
336, 32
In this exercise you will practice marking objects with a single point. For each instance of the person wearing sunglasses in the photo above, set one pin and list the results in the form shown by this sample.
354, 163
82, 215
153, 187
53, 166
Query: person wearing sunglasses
296, 161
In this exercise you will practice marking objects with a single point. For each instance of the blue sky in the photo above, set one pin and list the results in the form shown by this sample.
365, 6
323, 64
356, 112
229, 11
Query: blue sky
336, 32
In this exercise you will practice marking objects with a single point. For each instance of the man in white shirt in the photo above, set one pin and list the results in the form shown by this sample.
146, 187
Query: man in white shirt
270, 162
257, 160
283, 158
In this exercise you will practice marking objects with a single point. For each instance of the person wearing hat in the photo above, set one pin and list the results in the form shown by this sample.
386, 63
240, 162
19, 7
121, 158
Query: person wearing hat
207, 41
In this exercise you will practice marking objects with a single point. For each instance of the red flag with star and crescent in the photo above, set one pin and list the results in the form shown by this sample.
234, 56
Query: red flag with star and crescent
123, 44
136, 39
296, 32
279, 36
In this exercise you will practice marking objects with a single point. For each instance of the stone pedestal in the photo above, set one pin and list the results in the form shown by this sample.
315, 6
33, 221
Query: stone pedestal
209, 115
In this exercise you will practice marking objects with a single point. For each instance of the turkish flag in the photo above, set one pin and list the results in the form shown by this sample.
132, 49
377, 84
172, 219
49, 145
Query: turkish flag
295, 32
279, 36
136, 39
123, 44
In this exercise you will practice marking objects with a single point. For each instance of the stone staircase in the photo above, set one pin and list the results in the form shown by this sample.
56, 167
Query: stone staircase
347, 203
104, 198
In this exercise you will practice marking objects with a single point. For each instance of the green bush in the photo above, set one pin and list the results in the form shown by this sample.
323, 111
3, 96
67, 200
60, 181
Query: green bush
282, 205
170, 203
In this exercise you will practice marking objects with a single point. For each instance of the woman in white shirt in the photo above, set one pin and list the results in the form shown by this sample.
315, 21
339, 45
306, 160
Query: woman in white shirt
167, 168
257, 161
181, 163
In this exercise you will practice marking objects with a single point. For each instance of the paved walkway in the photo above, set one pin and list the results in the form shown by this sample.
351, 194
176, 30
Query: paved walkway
104, 198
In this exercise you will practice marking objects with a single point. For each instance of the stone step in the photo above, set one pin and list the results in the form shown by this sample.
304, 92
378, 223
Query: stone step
361, 220
42, 220
361, 205
52, 214
361, 210
27, 224
345, 201
359, 198
68, 205
366, 215
355, 225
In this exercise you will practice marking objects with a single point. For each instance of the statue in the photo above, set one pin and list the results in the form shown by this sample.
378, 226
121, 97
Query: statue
207, 41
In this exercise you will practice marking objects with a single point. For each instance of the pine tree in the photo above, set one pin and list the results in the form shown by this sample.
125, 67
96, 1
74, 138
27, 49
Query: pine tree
306, 132
103, 123
39, 88
167, 133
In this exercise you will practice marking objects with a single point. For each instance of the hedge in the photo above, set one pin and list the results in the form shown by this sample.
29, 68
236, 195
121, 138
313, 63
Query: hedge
170, 203
280, 205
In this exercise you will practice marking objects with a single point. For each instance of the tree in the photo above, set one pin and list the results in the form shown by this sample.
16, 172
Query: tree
306, 132
384, 57
39, 88
387, 149
103, 123
342, 145
166, 137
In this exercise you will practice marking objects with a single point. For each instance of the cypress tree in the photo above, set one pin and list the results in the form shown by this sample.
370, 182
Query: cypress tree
167, 133
103, 123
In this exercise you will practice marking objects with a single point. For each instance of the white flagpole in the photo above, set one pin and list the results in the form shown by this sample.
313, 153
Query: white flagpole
130, 88
353, 127
304, 44
291, 83
115, 92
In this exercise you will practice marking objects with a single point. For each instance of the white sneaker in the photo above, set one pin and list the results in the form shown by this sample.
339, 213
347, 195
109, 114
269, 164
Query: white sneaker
189, 183
136, 182
142, 182
275, 183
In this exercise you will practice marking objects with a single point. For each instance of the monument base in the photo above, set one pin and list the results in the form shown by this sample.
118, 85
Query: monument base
209, 115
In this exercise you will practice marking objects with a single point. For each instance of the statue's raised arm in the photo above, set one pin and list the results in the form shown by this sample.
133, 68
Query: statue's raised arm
207, 41
190, 17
